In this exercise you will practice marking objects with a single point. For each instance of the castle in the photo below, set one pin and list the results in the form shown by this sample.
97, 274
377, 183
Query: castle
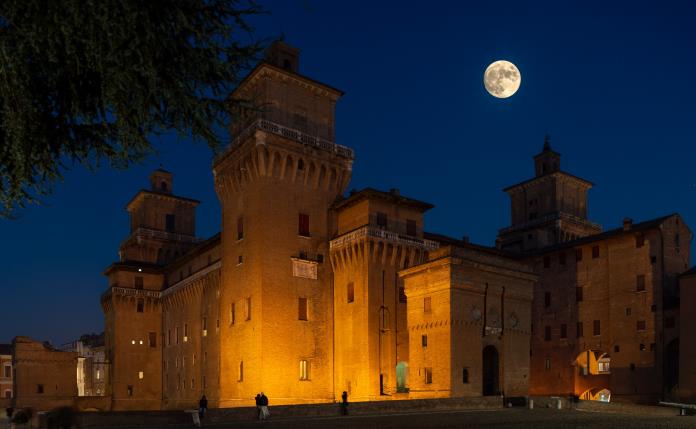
307, 292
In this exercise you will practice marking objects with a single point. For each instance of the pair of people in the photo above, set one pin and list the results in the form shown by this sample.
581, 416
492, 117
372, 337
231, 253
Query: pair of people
262, 406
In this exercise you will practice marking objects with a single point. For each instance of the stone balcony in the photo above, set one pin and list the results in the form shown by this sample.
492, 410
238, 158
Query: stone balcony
389, 236
289, 133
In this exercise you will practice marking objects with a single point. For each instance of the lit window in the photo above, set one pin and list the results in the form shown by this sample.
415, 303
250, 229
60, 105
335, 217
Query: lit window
141, 375
98, 374
141, 342
547, 364
603, 365
304, 370
133, 342
205, 326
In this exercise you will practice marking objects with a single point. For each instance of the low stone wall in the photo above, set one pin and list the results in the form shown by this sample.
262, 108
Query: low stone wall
626, 408
93, 403
231, 415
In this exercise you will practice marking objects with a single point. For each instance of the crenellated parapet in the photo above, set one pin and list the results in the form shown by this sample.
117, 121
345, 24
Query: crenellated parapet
267, 150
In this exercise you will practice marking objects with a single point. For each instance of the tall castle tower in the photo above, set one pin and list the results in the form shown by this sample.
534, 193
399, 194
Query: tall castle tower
548, 209
162, 228
379, 234
276, 183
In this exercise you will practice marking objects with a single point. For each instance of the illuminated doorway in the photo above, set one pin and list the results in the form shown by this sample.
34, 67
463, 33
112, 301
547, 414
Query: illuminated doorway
402, 377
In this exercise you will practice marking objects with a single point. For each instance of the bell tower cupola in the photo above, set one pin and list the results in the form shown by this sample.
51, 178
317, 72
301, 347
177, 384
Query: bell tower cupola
548, 160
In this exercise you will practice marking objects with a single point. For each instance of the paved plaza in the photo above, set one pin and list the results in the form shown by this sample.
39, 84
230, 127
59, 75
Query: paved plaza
489, 419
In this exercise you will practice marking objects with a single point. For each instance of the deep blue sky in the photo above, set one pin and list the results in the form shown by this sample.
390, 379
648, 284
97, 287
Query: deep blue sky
614, 87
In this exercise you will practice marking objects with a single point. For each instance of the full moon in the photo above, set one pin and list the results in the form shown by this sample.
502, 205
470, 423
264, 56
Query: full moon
502, 79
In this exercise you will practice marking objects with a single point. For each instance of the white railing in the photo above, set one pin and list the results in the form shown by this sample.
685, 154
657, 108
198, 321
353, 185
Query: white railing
289, 133
164, 235
394, 237
131, 292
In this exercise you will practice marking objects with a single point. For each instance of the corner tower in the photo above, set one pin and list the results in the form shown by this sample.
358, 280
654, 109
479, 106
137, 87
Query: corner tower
548, 209
276, 183
162, 227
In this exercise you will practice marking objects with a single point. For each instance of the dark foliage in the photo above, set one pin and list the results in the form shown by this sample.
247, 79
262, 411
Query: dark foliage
92, 81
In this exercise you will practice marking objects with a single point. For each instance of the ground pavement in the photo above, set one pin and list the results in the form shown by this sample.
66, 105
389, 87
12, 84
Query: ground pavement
515, 418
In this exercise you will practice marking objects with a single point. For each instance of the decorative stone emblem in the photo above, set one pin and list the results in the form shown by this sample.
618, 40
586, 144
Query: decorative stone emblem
513, 320
304, 269
475, 314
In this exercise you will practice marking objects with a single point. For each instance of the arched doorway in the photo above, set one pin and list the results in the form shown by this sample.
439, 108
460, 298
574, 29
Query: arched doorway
402, 377
491, 371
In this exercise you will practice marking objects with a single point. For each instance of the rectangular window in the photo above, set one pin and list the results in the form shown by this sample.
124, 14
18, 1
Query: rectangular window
232, 314
138, 282
640, 240
248, 309
140, 305
547, 333
547, 299
578, 294
628, 311
141, 375
304, 370
547, 262
617, 348
640, 325
169, 337
177, 335
240, 376
302, 309
676, 241
640, 283
564, 331
561, 258
185, 332
595, 252
428, 375
303, 227
382, 220
596, 328
350, 293
402, 295
8, 371
424, 340
579, 330
205, 326
130, 390
465, 375
39, 388
170, 223
578, 255
547, 364
427, 305
152, 339
411, 227
240, 228
641, 347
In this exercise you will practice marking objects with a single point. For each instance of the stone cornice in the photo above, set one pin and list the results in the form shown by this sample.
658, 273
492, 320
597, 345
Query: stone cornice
557, 175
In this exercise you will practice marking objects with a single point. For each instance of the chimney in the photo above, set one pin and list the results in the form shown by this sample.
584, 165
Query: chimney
627, 223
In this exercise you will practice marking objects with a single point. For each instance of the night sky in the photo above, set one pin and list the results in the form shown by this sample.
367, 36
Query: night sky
614, 87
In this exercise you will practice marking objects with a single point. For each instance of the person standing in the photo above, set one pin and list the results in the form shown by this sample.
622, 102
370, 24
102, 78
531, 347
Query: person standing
258, 406
202, 407
344, 403
264, 407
